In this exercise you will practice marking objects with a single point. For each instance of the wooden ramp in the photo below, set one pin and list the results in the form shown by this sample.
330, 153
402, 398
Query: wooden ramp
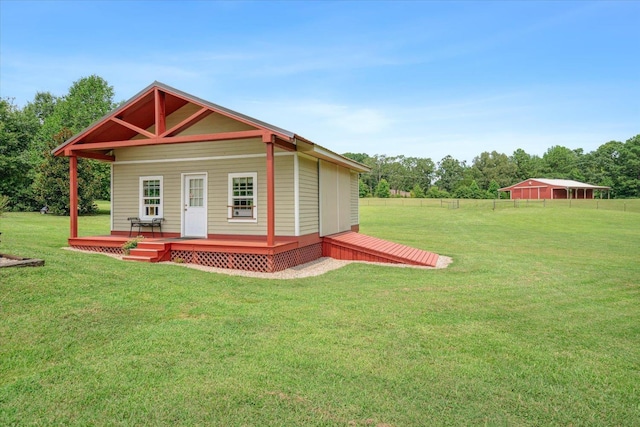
359, 247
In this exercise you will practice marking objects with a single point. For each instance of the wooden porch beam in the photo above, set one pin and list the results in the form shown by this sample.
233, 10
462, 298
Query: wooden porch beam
95, 156
285, 145
222, 136
189, 121
132, 127
73, 196
160, 111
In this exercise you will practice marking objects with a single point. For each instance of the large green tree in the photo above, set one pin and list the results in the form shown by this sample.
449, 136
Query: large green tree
420, 171
89, 99
17, 128
627, 179
52, 186
601, 167
561, 162
527, 165
492, 166
450, 173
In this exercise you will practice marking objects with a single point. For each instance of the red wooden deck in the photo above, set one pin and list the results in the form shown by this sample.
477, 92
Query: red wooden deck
359, 247
223, 244
255, 254
243, 253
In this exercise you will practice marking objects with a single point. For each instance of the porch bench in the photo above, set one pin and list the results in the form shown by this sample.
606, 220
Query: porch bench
153, 223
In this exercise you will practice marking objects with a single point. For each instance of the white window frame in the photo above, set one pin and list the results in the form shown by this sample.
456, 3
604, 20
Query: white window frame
254, 216
141, 197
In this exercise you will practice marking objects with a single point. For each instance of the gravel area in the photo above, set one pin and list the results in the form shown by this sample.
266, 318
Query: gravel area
313, 268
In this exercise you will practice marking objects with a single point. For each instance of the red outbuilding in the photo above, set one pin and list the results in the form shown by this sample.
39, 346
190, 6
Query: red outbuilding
543, 188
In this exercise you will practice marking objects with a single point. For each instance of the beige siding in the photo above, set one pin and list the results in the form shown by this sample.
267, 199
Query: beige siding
308, 195
328, 198
191, 150
344, 199
285, 197
355, 202
213, 123
126, 193
335, 198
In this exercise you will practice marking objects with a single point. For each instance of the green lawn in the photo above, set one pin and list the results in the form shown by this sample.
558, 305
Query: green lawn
536, 322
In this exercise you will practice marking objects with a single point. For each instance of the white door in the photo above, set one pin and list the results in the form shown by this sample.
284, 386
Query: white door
194, 220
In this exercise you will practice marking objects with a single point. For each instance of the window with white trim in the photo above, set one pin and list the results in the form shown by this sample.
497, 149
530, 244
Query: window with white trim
243, 195
150, 197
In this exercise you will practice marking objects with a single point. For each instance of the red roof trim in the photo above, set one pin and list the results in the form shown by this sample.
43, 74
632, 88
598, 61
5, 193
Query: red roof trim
159, 92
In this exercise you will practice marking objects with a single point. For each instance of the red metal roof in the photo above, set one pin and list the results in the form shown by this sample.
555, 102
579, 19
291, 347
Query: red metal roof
556, 183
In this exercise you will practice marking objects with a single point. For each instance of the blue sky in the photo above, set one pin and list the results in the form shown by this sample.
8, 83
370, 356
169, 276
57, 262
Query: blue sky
425, 79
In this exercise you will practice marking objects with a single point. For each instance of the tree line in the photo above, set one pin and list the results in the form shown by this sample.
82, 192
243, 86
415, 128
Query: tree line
614, 164
30, 177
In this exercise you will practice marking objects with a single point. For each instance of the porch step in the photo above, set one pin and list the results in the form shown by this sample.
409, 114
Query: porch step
159, 246
137, 258
150, 252
359, 247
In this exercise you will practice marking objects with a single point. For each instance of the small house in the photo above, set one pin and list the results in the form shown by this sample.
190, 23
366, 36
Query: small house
208, 185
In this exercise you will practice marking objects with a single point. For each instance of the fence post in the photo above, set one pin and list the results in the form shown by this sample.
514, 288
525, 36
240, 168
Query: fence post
494, 204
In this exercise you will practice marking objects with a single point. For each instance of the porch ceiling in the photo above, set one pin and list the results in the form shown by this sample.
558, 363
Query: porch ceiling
140, 114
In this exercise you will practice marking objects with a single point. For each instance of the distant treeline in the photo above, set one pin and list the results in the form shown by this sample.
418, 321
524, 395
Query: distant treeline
30, 177
614, 164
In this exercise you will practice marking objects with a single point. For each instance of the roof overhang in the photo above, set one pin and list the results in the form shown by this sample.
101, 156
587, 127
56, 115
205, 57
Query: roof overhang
130, 124
314, 150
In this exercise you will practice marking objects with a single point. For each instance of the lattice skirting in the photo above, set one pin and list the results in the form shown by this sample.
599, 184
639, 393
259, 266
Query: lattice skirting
251, 262
103, 249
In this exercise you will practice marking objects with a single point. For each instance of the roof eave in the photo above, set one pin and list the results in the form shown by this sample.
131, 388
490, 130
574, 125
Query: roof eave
310, 148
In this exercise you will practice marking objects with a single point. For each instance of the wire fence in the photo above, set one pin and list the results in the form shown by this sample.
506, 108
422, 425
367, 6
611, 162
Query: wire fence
623, 205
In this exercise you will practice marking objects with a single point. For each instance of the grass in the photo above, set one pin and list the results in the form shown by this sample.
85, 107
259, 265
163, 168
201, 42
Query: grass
535, 323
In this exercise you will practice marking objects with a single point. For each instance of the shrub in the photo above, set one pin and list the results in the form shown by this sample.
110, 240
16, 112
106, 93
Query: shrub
435, 193
131, 244
417, 191
382, 190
